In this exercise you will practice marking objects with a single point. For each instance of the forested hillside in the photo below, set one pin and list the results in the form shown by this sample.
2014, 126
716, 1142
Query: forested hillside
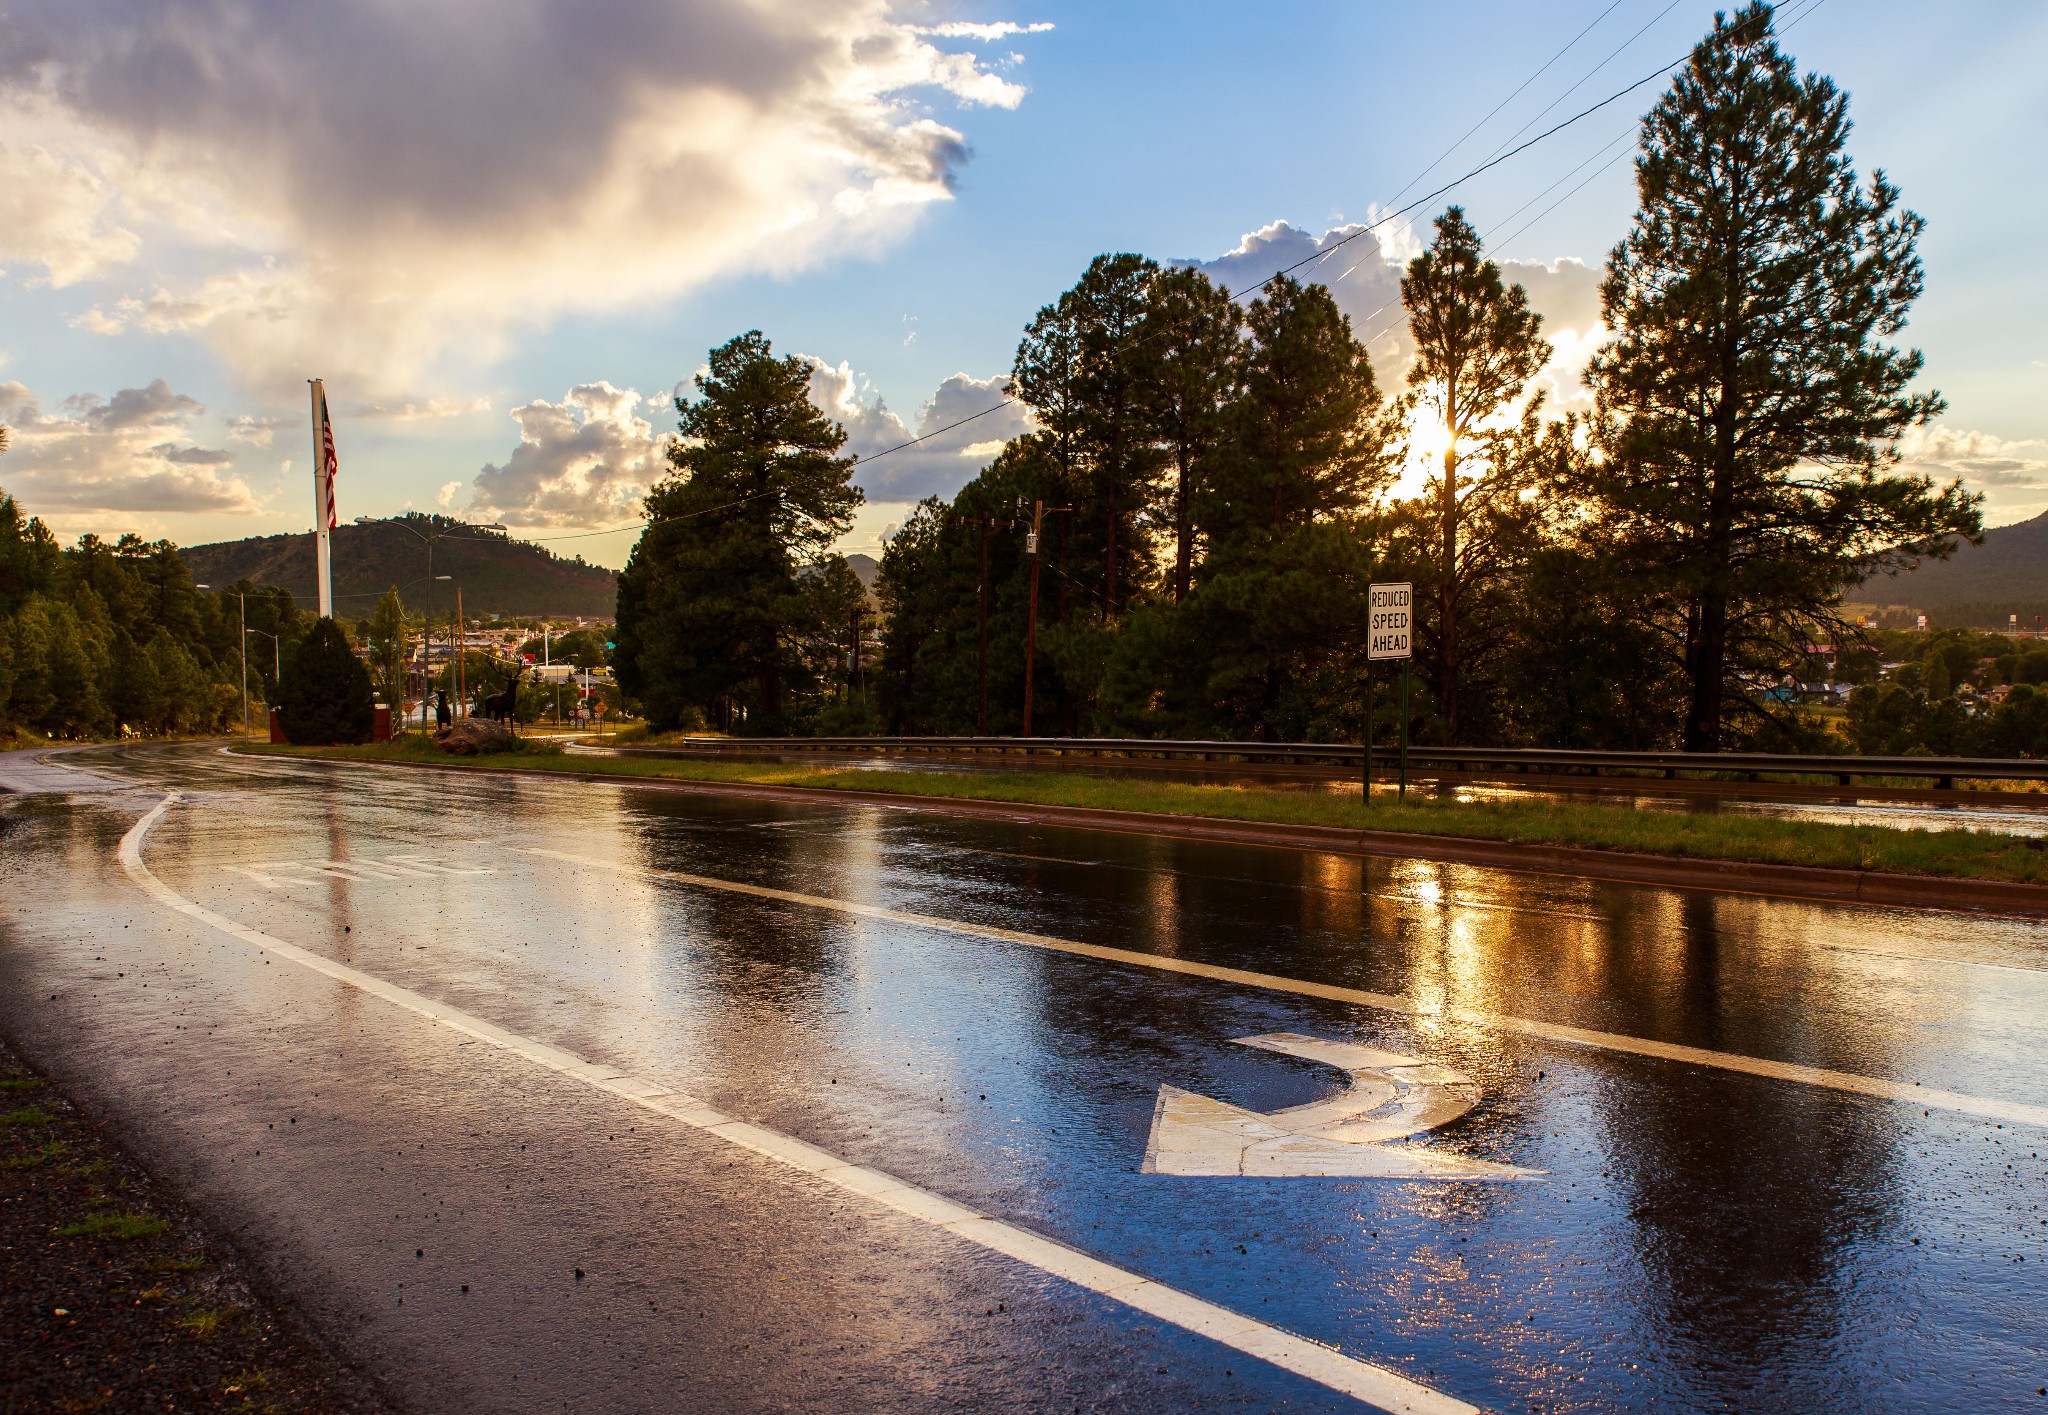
1982, 584
498, 575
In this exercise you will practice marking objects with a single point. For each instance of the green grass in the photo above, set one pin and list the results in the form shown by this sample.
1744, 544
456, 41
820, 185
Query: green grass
121, 1226
19, 1083
1759, 839
202, 1323
31, 1115
36, 1158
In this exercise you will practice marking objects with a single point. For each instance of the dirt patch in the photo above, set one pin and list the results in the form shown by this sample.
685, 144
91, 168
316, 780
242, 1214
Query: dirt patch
112, 1296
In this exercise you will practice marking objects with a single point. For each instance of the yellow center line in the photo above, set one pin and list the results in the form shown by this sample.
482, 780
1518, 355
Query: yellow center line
1905, 1092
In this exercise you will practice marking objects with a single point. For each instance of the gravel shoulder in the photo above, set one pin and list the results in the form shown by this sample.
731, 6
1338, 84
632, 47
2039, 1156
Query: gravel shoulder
113, 1297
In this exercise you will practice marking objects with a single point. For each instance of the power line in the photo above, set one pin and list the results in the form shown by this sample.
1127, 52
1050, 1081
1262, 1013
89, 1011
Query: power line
1391, 216
1505, 101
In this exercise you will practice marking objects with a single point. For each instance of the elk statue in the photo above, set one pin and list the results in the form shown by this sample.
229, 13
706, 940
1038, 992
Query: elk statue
499, 706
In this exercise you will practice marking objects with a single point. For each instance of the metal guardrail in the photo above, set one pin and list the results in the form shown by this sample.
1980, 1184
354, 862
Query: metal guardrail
1753, 766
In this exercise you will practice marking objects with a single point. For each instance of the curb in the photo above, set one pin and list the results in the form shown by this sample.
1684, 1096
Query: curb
1808, 882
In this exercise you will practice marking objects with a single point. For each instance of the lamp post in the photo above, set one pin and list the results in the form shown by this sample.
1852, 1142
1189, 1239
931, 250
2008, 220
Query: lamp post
276, 663
242, 622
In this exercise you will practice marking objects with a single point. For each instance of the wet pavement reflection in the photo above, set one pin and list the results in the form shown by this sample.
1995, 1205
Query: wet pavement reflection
1701, 1238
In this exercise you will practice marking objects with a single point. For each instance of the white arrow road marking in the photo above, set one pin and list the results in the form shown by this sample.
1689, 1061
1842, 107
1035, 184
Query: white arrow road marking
1377, 1386
1904, 1092
1390, 1098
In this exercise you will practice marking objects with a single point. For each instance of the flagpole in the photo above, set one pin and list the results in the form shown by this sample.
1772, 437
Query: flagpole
323, 511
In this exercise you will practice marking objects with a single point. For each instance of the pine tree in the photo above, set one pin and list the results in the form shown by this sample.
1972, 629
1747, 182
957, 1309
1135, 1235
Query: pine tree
1187, 351
1081, 368
325, 694
711, 609
1476, 349
1305, 439
388, 645
1750, 406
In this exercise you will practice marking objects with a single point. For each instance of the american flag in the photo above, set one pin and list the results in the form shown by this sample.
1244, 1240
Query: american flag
329, 463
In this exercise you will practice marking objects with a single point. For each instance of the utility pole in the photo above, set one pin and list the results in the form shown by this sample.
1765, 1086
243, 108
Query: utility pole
988, 528
854, 677
242, 623
1031, 548
461, 654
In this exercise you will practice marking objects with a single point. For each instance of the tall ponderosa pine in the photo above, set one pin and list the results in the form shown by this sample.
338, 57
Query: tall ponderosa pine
1268, 644
714, 602
1305, 436
1750, 406
1187, 350
1081, 369
1476, 348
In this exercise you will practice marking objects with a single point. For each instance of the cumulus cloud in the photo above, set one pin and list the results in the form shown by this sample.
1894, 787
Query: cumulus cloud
57, 214
2011, 472
939, 467
583, 462
419, 410
987, 34
1363, 269
127, 453
256, 431
378, 188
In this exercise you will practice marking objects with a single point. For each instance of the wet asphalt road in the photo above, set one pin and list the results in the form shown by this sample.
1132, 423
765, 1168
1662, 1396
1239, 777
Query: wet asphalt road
487, 1233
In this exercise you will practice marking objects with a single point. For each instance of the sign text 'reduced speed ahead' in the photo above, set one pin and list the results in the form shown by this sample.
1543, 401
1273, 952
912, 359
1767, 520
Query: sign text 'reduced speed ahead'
1391, 633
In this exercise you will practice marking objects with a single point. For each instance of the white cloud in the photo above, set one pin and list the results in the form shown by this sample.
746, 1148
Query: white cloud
410, 410
583, 462
128, 453
939, 467
987, 34
445, 497
257, 432
2011, 472
56, 213
1363, 270
380, 190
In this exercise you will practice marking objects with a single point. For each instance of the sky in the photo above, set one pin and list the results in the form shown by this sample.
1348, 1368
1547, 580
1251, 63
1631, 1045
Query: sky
506, 235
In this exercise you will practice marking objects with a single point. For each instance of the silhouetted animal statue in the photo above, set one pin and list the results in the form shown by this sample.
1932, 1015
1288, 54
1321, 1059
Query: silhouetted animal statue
499, 706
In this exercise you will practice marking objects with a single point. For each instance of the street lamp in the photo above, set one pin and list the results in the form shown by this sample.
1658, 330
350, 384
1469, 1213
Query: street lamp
276, 664
242, 620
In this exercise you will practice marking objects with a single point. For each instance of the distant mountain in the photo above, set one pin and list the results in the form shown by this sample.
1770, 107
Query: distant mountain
864, 567
1980, 584
497, 575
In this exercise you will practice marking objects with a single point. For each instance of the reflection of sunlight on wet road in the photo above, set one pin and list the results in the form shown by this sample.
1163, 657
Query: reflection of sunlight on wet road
1738, 1101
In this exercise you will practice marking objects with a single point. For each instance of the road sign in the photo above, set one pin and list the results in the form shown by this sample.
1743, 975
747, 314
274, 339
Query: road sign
1391, 1097
1390, 630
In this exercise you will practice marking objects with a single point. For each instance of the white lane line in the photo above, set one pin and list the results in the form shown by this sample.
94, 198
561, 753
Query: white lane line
1376, 1386
1905, 1092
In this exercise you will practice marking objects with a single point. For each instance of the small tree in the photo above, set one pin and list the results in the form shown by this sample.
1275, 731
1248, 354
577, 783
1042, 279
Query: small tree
388, 643
325, 691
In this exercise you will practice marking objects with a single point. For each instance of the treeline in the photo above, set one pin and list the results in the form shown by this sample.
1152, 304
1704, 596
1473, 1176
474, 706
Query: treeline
101, 639
1218, 477
1947, 692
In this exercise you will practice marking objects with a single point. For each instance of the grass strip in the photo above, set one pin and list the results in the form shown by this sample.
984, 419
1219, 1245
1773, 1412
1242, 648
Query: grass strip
1757, 839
